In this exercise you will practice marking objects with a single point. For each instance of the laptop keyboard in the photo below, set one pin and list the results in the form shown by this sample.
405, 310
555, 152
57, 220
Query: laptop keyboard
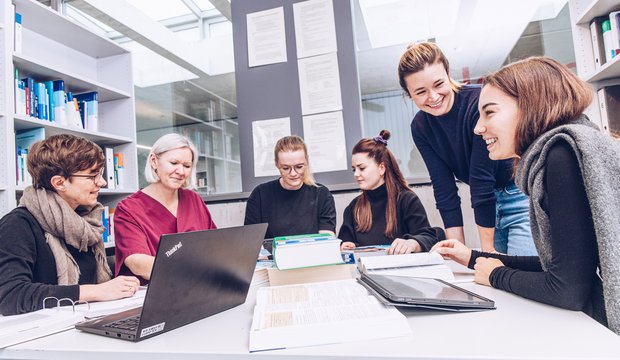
129, 324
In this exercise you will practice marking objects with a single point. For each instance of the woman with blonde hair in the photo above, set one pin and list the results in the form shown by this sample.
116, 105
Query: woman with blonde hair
443, 132
167, 205
570, 171
387, 212
294, 203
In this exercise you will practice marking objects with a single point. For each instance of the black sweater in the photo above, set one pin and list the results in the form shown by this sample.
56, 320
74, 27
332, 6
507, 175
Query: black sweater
28, 269
450, 149
571, 281
411, 220
291, 212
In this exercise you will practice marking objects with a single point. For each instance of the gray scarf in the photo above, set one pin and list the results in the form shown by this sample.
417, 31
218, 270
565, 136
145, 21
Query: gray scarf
599, 161
80, 228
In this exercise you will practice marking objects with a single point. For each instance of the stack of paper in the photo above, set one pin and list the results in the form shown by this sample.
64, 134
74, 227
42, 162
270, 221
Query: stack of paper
321, 313
261, 277
422, 265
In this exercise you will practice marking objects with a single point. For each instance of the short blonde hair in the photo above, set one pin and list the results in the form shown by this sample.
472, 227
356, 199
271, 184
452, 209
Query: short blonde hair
166, 143
295, 143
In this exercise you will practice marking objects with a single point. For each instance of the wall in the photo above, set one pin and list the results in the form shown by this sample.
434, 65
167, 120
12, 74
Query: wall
232, 213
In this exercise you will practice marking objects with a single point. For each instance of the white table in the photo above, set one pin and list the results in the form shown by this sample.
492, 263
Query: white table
518, 329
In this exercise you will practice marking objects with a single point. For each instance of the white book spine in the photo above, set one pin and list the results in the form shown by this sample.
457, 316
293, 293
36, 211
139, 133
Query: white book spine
603, 107
595, 28
615, 37
109, 168
17, 46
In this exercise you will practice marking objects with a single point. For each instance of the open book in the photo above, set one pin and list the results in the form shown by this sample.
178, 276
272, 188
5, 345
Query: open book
321, 313
422, 265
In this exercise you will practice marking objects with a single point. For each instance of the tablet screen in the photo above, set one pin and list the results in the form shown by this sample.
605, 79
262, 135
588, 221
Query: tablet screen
418, 290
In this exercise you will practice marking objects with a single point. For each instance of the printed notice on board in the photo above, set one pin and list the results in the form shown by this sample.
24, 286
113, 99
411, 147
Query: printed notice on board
265, 134
324, 137
319, 84
315, 29
266, 37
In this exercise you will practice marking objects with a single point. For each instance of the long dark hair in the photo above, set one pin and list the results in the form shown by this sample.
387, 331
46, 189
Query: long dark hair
395, 183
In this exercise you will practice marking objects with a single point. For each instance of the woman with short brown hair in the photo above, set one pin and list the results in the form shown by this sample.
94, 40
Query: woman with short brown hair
51, 245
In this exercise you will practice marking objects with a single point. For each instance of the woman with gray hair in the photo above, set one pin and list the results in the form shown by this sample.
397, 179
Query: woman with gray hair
167, 205
51, 244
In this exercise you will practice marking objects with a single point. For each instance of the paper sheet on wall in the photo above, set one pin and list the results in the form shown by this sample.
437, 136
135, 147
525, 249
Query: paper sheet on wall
315, 29
319, 84
266, 37
324, 137
265, 134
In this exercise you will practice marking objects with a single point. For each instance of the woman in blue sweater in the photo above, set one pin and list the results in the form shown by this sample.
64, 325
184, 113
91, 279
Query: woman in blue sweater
443, 131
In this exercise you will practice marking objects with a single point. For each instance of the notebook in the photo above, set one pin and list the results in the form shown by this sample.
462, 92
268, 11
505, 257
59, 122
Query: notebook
426, 293
195, 275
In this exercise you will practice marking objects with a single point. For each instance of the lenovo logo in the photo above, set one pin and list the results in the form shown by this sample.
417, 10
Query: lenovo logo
174, 249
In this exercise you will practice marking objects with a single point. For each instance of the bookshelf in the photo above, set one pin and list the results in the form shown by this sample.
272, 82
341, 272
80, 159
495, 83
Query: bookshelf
206, 119
582, 12
54, 47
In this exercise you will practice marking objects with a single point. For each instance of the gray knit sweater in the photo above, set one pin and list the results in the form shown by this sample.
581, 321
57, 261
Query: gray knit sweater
599, 160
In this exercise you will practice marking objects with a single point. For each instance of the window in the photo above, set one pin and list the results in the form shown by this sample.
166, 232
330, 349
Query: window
477, 37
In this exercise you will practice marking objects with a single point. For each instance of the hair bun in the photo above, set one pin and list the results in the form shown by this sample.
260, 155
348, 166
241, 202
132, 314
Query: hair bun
385, 134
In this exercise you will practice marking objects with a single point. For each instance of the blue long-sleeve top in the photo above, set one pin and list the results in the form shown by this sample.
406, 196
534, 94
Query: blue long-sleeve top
450, 149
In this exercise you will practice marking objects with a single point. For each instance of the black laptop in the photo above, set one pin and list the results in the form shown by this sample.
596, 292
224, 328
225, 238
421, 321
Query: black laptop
424, 293
195, 275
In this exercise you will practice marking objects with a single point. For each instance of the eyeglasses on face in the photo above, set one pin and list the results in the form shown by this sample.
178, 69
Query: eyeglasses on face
94, 178
287, 169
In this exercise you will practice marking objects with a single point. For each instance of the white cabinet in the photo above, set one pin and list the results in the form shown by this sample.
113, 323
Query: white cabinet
54, 47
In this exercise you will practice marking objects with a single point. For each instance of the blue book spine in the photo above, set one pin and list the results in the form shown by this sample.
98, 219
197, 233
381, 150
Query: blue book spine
49, 86
41, 101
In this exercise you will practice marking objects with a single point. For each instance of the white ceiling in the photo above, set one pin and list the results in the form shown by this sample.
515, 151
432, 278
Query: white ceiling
476, 35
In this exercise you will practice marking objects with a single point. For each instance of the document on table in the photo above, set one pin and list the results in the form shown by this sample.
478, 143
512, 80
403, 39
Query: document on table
321, 313
17, 329
421, 265
101, 308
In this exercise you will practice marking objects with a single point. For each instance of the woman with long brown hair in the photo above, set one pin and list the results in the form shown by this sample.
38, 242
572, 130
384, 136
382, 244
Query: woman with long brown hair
387, 212
532, 110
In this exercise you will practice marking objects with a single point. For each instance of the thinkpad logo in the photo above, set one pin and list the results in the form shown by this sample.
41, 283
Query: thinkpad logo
174, 249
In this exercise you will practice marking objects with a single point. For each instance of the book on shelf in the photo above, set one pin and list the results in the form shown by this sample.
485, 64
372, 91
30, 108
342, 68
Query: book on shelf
329, 312
614, 25
598, 46
298, 251
119, 170
108, 168
422, 265
49, 95
89, 109
609, 105
73, 112
59, 102
17, 40
607, 41
23, 141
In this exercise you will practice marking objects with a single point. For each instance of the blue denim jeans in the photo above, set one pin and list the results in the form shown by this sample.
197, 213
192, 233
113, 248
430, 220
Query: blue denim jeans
513, 235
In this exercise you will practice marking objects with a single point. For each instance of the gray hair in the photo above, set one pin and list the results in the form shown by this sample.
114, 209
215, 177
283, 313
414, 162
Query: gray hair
166, 143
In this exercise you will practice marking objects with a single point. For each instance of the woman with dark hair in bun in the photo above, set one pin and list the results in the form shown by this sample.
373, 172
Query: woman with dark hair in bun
387, 212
